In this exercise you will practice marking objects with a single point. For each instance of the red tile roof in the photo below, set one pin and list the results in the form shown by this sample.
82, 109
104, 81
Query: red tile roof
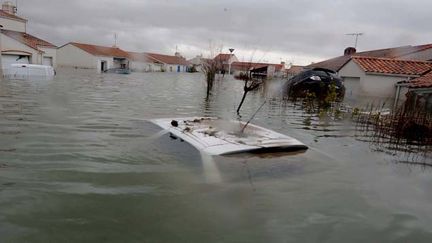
424, 81
27, 39
392, 66
167, 59
11, 16
101, 50
223, 57
337, 63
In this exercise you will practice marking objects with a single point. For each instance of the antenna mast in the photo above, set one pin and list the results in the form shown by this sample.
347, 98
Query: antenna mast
115, 39
356, 37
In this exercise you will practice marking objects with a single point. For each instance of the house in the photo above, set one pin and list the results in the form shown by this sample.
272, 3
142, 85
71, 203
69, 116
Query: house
418, 53
168, 63
268, 70
369, 79
87, 56
17, 46
418, 89
198, 61
225, 61
140, 62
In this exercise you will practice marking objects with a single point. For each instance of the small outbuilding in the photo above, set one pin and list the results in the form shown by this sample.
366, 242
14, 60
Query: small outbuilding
168, 63
87, 56
372, 80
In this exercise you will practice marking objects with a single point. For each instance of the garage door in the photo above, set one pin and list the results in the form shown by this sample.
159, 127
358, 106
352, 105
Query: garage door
7, 60
352, 89
48, 61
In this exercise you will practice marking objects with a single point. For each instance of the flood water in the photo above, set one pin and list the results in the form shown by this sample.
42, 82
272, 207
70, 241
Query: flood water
79, 162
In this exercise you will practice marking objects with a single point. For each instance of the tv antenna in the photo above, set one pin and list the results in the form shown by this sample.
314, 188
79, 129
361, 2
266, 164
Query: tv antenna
115, 40
356, 37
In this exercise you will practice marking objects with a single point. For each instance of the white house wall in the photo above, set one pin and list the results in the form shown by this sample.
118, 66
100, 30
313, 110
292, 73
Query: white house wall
11, 46
72, 56
371, 86
9, 24
109, 61
173, 68
137, 66
50, 52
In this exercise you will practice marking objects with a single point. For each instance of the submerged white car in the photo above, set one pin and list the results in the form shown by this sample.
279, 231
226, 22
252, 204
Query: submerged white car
29, 72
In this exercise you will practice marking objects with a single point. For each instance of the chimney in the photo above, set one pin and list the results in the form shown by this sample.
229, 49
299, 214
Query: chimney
9, 7
349, 51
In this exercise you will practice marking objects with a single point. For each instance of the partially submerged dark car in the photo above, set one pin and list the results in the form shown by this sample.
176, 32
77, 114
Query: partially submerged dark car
317, 81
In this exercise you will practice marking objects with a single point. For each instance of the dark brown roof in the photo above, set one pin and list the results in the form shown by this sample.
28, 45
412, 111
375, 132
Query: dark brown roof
101, 50
11, 16
424, 81
333, 64
337, 63
392, 66
167, 59
27, 39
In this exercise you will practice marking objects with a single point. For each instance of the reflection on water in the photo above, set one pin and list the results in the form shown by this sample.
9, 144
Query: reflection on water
211, 172
78, 160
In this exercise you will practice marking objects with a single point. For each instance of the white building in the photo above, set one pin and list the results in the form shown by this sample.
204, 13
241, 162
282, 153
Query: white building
86, 56
17, 46
197, 62
373, 80
140, 62
168, 63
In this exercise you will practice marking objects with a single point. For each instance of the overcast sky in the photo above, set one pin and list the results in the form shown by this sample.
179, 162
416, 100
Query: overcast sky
298, 31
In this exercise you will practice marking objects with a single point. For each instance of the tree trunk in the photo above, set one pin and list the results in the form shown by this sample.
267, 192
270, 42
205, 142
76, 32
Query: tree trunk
241, 102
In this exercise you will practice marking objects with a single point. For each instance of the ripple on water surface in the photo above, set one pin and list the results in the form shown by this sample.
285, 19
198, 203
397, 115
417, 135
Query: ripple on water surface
79, 160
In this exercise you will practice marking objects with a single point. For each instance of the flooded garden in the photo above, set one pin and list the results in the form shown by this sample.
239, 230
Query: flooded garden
80, 159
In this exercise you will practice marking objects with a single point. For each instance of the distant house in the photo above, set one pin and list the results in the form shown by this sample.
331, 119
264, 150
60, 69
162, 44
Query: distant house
224, 61
168, 63
418, 53
17, 46
369, 79
87, 56
264, 69
197, 62
140, 62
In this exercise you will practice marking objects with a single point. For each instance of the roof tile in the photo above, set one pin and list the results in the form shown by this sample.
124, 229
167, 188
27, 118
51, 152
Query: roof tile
27, 39
167, 59
424, 81
392, 66
11, 16
101, 50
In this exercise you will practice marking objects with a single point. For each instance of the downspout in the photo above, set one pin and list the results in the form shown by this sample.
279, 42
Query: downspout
398, 88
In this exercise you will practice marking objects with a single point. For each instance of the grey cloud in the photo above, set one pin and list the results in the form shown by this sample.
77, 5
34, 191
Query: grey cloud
309, 29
